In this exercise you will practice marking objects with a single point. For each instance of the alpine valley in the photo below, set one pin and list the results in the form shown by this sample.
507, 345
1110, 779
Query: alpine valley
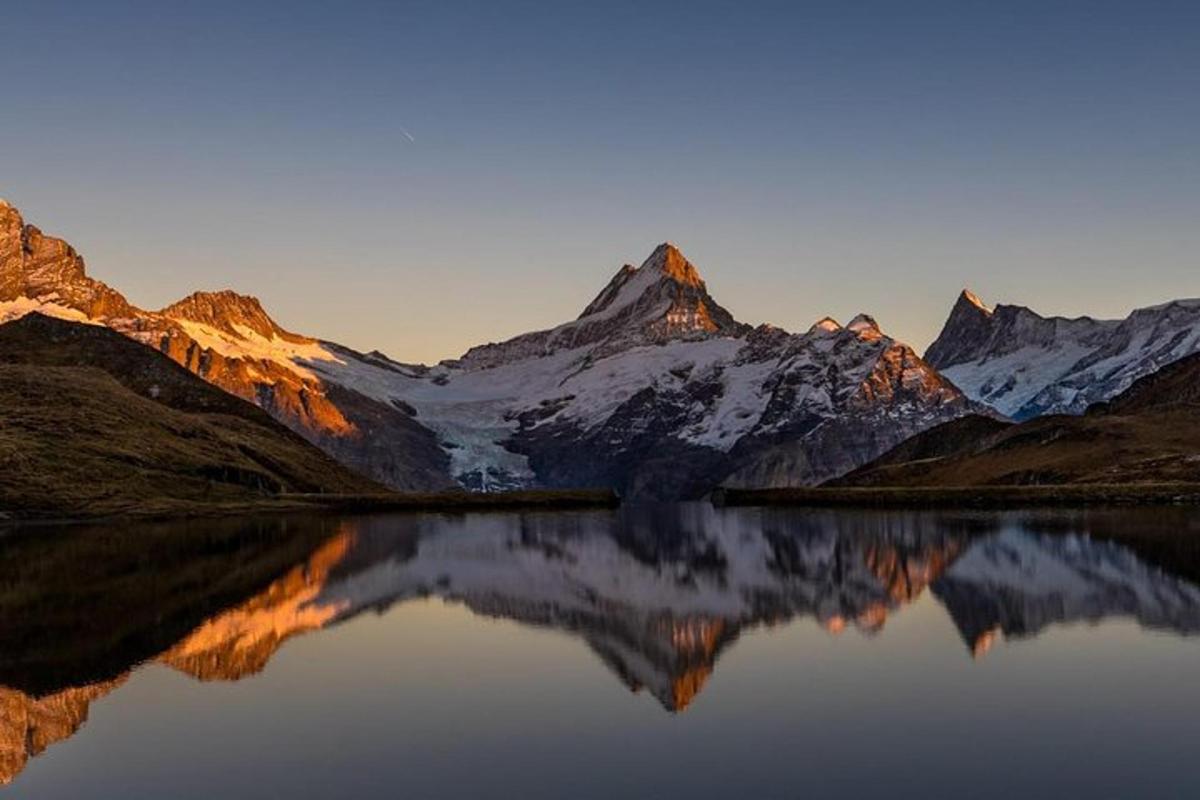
654, 390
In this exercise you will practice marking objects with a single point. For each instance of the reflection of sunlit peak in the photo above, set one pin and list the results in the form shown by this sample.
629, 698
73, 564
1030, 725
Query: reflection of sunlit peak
835, 624
872, 618
697, 634
907, 575
685, 687
28, 725
983, 643
240, 641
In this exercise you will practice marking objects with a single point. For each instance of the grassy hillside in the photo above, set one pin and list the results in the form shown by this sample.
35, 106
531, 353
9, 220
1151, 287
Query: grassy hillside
94, 423
1149, 434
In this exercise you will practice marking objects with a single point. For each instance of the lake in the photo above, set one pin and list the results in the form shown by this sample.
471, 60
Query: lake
658, 651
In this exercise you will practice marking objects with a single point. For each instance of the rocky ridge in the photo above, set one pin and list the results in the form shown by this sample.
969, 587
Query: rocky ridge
1025, 365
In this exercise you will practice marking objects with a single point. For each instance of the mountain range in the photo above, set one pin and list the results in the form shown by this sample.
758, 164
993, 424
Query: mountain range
654, 390
1025, 365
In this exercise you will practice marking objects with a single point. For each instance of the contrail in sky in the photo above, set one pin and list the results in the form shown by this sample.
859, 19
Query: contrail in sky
409, 135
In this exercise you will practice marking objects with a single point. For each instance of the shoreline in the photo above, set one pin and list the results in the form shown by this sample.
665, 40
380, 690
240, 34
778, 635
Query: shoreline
523, 500
973, 497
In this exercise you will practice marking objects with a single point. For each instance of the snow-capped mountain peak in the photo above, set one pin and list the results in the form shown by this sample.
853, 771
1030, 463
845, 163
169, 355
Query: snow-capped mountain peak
969, 297
670, 262
667, 263
1024, 364
824, 325
865, 326
661, 301
666, 287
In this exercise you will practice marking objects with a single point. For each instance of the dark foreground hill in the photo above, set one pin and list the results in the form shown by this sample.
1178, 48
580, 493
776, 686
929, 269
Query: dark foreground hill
95, 423
1148, 434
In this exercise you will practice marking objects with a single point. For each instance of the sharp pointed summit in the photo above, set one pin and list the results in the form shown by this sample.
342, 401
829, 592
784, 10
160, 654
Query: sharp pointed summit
663, 300
665, 264
669, 260
970, 298
667, 296
967, 330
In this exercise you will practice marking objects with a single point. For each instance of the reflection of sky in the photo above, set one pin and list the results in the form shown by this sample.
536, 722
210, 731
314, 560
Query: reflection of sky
811, 158
431, 701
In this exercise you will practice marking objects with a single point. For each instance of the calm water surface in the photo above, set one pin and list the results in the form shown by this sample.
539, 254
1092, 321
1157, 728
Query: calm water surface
674, 651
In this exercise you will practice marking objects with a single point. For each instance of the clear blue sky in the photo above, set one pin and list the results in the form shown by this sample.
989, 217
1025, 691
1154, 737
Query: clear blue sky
810, 158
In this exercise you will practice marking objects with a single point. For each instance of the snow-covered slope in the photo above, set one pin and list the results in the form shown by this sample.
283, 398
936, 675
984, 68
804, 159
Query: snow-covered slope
1024, 365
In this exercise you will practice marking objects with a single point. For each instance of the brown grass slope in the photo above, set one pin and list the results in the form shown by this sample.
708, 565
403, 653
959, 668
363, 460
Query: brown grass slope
1149, 434
94, 423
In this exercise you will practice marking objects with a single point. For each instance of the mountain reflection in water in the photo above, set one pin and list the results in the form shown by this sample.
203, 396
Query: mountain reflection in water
657, 593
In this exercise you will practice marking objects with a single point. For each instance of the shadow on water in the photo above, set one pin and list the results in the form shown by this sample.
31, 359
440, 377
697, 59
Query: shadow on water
656, 592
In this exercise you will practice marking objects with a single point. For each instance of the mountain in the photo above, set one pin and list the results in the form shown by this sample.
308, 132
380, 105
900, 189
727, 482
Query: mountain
654, 390
1024, 365
1149, 433
95, 423
230, 341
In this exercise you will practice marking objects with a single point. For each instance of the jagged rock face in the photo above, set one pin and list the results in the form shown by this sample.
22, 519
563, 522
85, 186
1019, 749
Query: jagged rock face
1024, 365
818, 406
33, 265
1147, 434
228, 311
230, 341
887, 395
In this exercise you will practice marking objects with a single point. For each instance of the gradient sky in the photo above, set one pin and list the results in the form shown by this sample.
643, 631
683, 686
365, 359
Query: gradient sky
810, 158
